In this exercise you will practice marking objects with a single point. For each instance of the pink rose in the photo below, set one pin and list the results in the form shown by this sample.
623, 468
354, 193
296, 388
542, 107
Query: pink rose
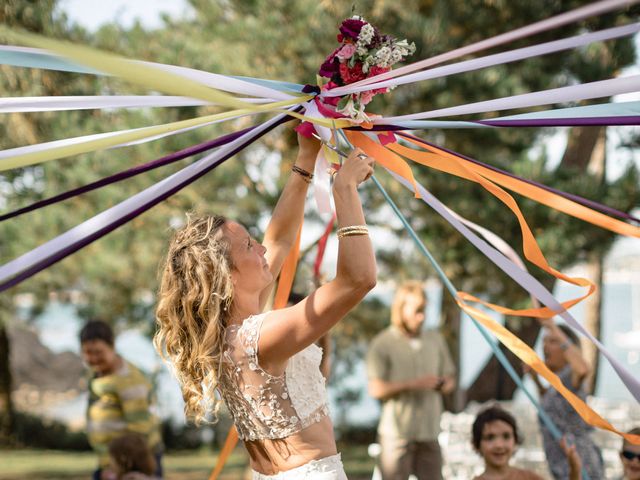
347, 51
366, 97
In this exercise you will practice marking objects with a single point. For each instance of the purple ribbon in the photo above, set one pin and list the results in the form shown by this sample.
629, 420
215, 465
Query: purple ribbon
537, 122
565, 122
84, 241
173, 157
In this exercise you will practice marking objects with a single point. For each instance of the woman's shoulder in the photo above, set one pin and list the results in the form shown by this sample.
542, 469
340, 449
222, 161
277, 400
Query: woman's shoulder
241, 338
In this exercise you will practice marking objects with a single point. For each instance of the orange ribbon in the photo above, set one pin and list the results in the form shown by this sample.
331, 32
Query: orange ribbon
457, 166
229, 445
446, 162
525, 353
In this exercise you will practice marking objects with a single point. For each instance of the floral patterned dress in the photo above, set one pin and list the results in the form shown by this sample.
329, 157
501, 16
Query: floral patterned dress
574, 428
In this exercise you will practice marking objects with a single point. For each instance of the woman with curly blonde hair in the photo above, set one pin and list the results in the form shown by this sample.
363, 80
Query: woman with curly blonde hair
265, 366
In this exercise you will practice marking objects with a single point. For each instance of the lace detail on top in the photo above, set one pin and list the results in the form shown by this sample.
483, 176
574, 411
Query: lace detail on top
264, 406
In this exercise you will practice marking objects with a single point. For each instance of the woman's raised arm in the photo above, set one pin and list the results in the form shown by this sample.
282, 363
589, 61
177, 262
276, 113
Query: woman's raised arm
287, 331
289, 211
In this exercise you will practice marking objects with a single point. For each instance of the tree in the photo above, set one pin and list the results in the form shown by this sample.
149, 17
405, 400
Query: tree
289, 40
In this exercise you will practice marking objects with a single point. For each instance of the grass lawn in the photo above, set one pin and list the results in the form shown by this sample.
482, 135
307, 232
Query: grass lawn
188, 465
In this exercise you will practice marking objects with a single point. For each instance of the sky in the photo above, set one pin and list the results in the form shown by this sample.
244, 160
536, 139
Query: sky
93, 13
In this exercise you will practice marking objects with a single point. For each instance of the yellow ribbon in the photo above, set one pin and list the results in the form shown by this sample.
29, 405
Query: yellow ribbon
30, 158
139, 73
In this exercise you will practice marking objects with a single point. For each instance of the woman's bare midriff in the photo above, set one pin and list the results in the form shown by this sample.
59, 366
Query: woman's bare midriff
313, 443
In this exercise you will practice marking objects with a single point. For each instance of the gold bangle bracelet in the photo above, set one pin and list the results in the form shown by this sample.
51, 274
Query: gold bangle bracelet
352, 230
352, 233
352, 227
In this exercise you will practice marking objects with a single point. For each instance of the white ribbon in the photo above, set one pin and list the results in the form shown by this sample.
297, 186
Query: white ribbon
604, 88
59, 103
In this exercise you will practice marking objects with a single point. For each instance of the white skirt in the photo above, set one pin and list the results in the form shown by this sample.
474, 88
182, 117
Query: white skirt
328, 468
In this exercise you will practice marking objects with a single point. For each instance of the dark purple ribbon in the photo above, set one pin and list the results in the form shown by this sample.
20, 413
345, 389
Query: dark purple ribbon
537, 122
83, 242
564, 122
173, 157
576, 198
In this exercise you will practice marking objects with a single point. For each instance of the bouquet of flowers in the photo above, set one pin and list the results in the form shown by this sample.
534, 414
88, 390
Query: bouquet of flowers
363, 53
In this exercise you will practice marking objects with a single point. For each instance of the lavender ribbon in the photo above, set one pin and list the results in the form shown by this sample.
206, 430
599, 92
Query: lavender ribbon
571, 16
565, 122
525, 280
493, 60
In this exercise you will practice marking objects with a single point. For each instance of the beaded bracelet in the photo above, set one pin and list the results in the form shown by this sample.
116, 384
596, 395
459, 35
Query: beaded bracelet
306, 176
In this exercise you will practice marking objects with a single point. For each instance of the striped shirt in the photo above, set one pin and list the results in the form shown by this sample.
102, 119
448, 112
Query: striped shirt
120, 403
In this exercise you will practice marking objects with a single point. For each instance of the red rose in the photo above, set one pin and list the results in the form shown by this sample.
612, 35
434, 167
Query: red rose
376, 70
351, 75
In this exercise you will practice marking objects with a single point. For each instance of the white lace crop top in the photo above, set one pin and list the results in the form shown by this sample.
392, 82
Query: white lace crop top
265, 406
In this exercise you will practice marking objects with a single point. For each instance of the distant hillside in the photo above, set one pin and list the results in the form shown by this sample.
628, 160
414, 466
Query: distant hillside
34, 364
42, 379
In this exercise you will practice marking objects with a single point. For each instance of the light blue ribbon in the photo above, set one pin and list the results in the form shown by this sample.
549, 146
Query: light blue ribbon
557, 434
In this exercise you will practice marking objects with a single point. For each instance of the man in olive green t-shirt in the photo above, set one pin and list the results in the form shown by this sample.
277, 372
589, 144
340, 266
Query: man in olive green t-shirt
409, 370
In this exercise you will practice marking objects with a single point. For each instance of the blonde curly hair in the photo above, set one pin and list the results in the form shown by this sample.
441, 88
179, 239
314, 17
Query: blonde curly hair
194, 301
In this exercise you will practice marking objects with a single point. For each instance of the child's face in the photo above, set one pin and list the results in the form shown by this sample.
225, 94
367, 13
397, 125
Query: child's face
497, 443
631, 466
99, 356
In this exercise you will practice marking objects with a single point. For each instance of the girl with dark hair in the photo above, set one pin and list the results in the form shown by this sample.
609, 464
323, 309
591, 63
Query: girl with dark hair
495, 437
